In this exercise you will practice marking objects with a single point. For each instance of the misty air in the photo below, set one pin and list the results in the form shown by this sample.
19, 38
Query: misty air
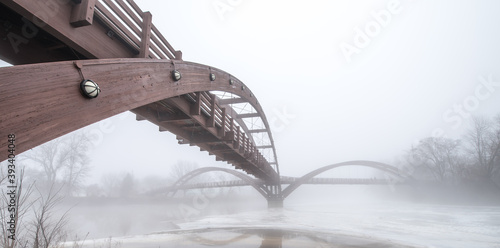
224, 123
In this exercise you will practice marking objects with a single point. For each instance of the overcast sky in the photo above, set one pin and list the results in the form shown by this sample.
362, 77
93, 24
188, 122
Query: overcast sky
340, 80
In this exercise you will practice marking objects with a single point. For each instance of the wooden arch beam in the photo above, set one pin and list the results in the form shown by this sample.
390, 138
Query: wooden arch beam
40, 102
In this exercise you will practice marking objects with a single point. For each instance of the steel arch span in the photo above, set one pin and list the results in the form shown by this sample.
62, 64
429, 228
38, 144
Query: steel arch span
372, 164
255, 183
41, 102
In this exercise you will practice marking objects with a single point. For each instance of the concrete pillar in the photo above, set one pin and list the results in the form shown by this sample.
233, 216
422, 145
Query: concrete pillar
275, 202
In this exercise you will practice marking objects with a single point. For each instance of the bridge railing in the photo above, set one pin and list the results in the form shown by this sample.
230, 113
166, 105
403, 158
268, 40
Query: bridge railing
210, 108
135, 28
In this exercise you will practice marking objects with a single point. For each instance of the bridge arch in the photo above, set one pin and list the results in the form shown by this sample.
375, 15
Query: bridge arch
372, 164
255, 183
49, 103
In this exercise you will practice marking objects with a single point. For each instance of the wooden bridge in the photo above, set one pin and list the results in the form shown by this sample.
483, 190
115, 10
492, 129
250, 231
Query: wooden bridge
77, 62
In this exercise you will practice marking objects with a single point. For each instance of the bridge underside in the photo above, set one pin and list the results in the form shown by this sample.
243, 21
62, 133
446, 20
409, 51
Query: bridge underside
209, 128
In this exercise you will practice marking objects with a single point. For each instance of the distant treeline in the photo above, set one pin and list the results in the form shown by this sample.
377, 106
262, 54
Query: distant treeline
472, 160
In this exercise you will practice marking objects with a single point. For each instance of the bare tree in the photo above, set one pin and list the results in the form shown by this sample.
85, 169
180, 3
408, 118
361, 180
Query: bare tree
42, 228
48, 229
63, 160
110, 184
15, 237
76, 167
119, 184
180, 169
441, 156
483, 141
127, 186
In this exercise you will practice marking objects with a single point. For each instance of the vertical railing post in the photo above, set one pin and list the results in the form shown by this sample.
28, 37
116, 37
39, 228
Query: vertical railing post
211, 120
196, 107
237, 143
243, 143
147, 19
82, 13
222, 132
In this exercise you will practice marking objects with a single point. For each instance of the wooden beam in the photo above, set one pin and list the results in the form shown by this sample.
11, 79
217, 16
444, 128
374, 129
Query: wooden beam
257, 131
203, 138
264, 147
82, 13
220, 148
232, 101
165, 117
50, 103
249, 115
186, 107
139, 118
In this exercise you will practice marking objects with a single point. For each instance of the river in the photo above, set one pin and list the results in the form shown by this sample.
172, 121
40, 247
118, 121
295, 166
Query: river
324, 222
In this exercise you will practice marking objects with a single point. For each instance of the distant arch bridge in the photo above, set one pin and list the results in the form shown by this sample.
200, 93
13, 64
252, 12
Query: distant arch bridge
293, 182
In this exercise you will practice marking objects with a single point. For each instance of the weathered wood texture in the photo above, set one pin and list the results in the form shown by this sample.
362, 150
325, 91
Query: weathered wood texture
113, 33
41, 102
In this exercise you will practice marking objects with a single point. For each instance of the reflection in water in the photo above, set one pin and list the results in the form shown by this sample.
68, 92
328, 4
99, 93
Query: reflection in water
272, 238
241, 237
209, 242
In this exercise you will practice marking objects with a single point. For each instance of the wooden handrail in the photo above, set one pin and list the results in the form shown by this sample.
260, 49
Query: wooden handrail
134, 27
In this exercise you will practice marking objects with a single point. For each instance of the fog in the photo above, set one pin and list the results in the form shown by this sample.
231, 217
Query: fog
338, 81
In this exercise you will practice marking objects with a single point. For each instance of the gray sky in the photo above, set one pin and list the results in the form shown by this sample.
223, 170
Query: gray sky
409, 69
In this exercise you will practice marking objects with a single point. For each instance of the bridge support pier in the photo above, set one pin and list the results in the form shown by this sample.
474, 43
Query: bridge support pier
275, 202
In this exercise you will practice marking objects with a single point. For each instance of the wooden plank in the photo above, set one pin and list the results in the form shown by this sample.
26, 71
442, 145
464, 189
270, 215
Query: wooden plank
82, 14
135, 7
123, 17
156, 50
165, 42
164, 52
119, 28
134, 15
